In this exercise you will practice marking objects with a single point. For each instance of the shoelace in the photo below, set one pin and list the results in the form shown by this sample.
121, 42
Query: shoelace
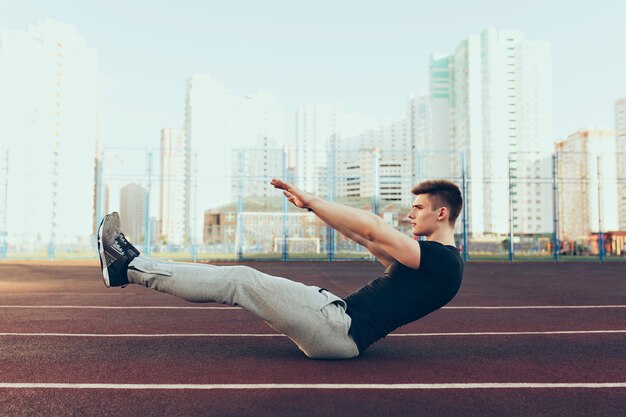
125, 245
122, 241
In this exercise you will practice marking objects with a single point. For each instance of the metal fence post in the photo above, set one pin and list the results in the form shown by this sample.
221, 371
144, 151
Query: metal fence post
285, 254
601, 254
239, 233
465, 251
376, 181
555, 209
146, 221
194, 243
511, 247
99, 185
330, 232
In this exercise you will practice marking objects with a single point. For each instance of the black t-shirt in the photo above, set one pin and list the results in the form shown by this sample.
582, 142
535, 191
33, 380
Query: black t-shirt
402, 295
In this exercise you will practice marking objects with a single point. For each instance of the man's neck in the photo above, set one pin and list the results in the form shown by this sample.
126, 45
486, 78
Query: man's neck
443, 236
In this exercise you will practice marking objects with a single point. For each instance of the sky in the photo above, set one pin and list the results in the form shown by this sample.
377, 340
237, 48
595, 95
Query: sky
368, 55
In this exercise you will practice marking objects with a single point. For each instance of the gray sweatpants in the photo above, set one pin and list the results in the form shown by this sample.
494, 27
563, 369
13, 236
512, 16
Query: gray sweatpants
315, 320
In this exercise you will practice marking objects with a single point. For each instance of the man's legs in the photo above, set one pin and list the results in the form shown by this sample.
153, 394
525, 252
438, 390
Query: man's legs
314, 320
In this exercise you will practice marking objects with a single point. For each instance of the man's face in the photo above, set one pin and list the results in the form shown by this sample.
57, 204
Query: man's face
423, 216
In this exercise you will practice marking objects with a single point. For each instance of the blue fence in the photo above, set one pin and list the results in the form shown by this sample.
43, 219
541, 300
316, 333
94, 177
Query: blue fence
182, 204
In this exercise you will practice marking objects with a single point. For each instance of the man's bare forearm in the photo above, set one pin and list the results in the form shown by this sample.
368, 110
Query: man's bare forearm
354, 220
382, 256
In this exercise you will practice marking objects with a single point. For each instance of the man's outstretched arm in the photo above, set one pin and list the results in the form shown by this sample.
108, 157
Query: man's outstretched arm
383, 257
359, 222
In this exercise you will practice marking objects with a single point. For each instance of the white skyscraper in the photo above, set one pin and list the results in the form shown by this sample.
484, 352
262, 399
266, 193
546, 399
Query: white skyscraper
436, 149
48, 79
132, 212
493, 98
620, 147
175, 187
218, 122
587, 184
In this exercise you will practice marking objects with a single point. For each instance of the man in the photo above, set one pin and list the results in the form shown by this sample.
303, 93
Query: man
420, 276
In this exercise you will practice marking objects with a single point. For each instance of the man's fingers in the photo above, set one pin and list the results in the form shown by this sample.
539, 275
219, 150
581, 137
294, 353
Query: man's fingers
279, 184
290, 197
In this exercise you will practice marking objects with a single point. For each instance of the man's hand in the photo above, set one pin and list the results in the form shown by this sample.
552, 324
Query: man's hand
296, 196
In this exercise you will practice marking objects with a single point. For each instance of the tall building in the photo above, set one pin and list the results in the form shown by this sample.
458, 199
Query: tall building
420, 124
132, 212
48, 80
393, 137
587, 184
320, 130
492, 102
217, 122
254, 167
390, 159
175, 188
378, 162
369, 173
437, 148
620, 147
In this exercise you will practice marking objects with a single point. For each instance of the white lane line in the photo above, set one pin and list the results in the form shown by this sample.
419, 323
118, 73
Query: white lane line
145, 335
543, 307
487, 385
509, 333
550, 332
118, 307
530, 307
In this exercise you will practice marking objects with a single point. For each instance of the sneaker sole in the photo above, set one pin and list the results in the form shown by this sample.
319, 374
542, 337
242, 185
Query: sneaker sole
103, 261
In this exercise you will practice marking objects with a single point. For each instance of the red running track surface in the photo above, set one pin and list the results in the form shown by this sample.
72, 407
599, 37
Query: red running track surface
57, 326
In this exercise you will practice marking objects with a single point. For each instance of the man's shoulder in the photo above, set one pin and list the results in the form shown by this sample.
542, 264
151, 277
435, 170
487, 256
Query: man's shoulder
437, 246
433, 251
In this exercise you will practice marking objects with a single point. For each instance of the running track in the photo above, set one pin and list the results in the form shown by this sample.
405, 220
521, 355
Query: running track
528, 339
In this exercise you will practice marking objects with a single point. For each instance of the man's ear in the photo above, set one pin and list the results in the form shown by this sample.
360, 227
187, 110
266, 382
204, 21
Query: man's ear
442, 213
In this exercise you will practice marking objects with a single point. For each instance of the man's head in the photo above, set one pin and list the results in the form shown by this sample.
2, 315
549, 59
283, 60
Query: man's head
438, 203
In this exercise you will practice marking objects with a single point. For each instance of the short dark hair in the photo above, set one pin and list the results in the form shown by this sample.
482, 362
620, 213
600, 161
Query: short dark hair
442, 193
